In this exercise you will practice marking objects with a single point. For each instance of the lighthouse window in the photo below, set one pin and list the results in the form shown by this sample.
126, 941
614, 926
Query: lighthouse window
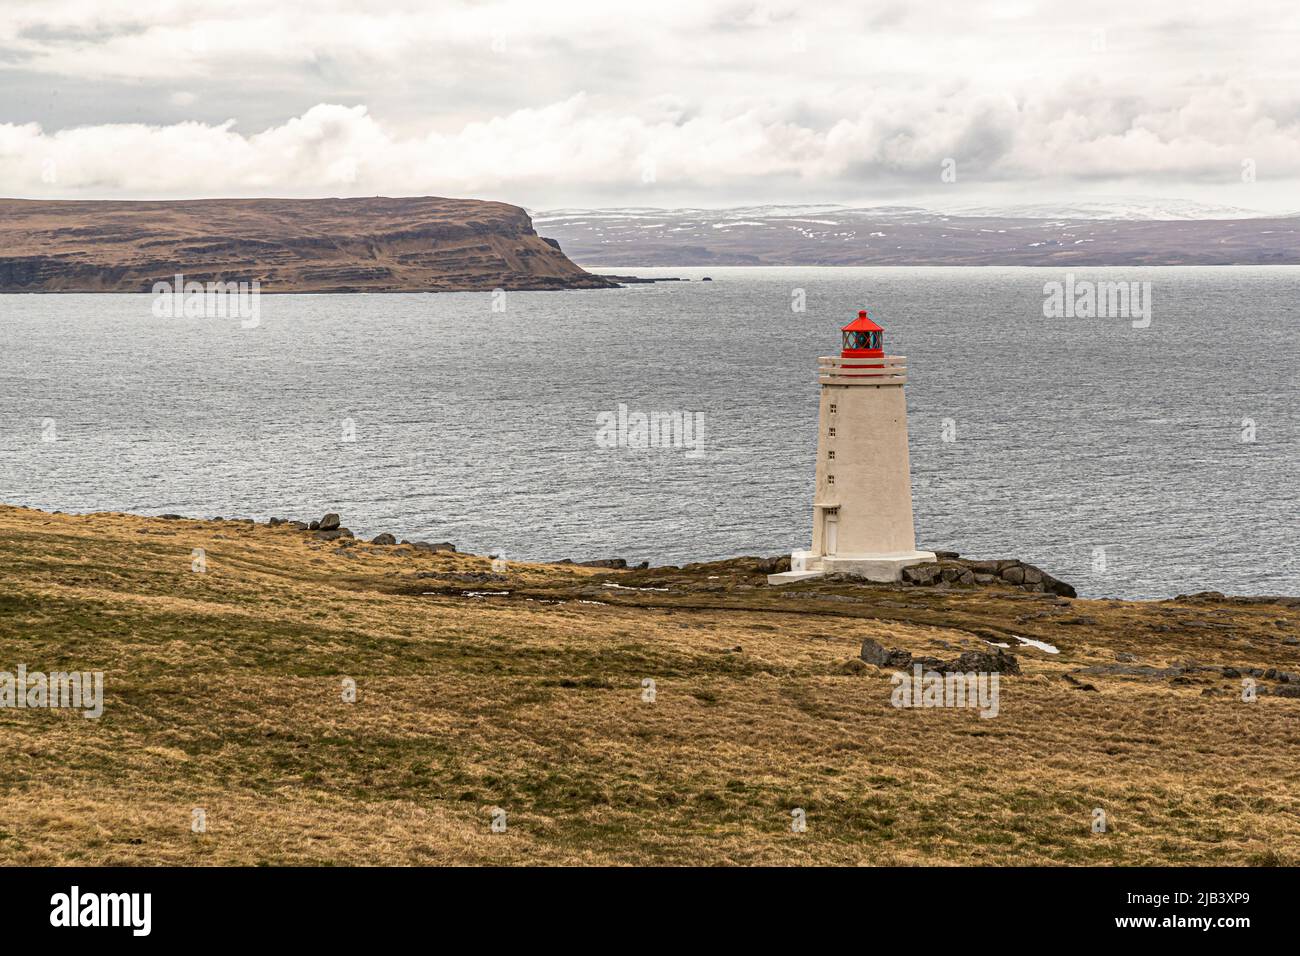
830, 454
830, 479
862, 340
832, 408
831, 432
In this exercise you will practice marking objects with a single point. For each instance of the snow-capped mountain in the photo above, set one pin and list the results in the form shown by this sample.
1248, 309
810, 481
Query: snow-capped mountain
1110, 232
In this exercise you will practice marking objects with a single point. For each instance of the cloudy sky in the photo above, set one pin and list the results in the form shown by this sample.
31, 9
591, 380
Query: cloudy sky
698, 103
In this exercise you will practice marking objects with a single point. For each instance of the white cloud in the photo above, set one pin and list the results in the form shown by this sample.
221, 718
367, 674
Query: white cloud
573, 103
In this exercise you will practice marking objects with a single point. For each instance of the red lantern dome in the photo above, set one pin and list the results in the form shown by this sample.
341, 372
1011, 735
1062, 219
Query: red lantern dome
863, 338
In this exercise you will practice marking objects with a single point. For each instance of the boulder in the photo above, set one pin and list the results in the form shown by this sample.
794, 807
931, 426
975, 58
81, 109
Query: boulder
1059, 588
313, 526
994, 661
426, 546
329, 522
921, 574
276, 522
1033, 575
384, 538
1014, 575
617, 563
874, 653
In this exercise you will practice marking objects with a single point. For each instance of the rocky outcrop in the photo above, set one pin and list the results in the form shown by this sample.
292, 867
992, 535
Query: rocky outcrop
874, 653
986, 662
329, 527
432, 548
951, 569
417, 244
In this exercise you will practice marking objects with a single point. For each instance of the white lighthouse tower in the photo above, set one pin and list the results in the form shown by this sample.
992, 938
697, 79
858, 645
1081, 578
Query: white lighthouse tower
862, 506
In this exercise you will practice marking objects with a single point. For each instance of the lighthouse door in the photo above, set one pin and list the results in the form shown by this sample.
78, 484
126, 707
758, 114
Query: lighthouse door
830, 529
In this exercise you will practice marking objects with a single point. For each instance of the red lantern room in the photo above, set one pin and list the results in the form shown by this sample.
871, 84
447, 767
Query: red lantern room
863, 338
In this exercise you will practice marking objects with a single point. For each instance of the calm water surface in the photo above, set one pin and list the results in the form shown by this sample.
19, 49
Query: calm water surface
1111, 456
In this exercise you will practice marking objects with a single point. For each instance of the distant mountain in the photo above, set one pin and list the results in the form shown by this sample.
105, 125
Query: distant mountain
1127, 209
420, 244
1088, 234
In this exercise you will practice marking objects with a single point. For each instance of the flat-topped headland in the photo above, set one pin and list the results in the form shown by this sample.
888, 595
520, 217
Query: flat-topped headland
417, 244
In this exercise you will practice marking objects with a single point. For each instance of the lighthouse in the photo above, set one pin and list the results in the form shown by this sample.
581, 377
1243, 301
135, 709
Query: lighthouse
862, 502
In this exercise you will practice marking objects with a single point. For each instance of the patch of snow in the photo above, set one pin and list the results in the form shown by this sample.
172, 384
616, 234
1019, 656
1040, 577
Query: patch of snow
1041, 645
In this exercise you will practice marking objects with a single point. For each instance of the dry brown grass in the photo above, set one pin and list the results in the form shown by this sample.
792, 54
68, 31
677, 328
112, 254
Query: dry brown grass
223, 691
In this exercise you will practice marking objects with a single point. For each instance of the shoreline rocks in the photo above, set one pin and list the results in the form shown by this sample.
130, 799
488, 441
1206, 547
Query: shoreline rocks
951, 569
431, 548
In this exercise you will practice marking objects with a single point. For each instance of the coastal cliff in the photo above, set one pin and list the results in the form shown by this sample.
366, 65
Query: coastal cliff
422, 244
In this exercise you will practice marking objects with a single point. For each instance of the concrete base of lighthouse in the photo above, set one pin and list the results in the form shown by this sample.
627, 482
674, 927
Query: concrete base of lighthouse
875, 567
882, 568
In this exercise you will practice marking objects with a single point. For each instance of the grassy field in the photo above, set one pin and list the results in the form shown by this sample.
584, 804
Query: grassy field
223, 691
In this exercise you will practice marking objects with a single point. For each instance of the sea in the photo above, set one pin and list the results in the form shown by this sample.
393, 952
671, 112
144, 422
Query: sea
1134, 455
